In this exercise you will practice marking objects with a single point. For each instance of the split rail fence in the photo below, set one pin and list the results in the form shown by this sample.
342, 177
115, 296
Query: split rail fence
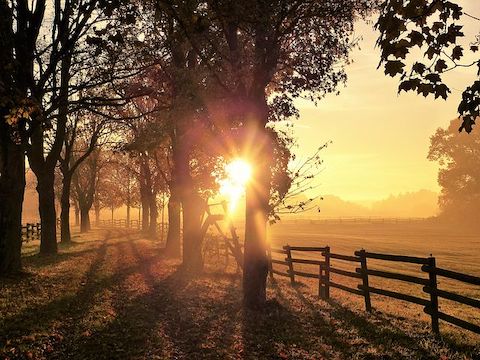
31, 231
133, 224
363, 273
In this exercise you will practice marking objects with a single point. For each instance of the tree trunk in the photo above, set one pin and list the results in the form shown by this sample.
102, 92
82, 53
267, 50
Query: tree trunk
65, 236
46, 204
192, 208
256, 217
77, 214
97, 216
84, 219
128, 215
153, 216
173, 245
192, 234
12, 188
145, 214
255, 259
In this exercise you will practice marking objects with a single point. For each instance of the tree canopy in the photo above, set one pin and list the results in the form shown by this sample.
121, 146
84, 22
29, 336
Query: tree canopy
429, 34
459, 174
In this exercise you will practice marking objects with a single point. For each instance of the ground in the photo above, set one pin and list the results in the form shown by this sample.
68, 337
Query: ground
114, 295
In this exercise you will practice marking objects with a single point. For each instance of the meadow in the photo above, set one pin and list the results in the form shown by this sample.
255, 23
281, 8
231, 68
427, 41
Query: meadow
455, 248
112, 294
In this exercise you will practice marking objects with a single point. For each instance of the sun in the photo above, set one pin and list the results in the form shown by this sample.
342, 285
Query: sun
238, 172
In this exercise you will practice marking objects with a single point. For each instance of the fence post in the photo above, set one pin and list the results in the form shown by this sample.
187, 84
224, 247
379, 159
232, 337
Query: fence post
270, 265
432, 285
327, 272
321, 289
290, 263
366, 289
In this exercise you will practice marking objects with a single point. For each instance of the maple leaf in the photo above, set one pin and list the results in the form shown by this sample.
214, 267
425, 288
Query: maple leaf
440, 65
393, 67
457, 52
442, 91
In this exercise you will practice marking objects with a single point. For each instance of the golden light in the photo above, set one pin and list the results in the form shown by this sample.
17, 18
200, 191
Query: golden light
233, 186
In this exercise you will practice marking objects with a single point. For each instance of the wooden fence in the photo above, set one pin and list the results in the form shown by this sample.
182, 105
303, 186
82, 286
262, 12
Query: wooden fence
363, 274
31, 231
360, 220
133, 224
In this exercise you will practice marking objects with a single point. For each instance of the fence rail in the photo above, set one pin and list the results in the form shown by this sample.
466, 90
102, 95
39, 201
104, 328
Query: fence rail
31, 231
133, 224
363, 220
363, 273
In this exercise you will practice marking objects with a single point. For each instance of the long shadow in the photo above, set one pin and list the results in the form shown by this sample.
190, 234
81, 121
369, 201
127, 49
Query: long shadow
38, 261
178, 317
272, 332
160, 323
382, 334
260, 332
42, 316
132, 332
73, 306
290, 326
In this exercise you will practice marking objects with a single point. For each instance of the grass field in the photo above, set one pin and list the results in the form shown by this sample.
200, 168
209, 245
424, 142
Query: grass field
454, 248
111, 294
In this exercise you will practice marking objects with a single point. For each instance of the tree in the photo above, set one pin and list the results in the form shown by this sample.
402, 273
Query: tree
16, 109
46, 74
435, 27
108, 188
128, 183
85, 180
459, 175
119, 180
265, 55
82, 135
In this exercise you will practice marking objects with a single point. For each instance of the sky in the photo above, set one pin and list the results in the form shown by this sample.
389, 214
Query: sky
379, 139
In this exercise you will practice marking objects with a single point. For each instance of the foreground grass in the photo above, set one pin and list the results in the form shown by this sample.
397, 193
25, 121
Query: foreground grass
113, 295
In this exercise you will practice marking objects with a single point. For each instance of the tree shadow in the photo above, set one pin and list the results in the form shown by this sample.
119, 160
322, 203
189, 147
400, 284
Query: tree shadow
175, 319
65, 310
157, 311
376, 330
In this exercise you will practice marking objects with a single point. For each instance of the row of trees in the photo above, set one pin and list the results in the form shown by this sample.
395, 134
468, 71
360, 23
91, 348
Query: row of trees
174, 89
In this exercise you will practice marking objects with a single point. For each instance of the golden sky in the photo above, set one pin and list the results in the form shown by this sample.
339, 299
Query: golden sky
380, 139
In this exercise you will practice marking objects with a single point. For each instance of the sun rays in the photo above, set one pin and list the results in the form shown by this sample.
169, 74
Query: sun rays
238, 173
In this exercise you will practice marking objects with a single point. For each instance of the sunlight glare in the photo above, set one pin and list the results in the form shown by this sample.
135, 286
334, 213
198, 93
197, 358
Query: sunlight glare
233, 186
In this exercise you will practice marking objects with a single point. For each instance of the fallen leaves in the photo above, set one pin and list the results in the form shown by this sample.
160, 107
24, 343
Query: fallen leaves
126, 300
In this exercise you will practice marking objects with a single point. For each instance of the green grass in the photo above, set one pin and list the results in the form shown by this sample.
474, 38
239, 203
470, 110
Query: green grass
113, 295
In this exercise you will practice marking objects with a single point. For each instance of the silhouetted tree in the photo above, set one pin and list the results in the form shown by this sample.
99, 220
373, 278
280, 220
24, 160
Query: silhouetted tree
459, 174
85, 181
18, 35
435, 27
266, 54
47, 55
82, 135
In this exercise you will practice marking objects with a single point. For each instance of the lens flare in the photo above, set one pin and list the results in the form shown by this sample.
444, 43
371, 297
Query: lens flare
233, 186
